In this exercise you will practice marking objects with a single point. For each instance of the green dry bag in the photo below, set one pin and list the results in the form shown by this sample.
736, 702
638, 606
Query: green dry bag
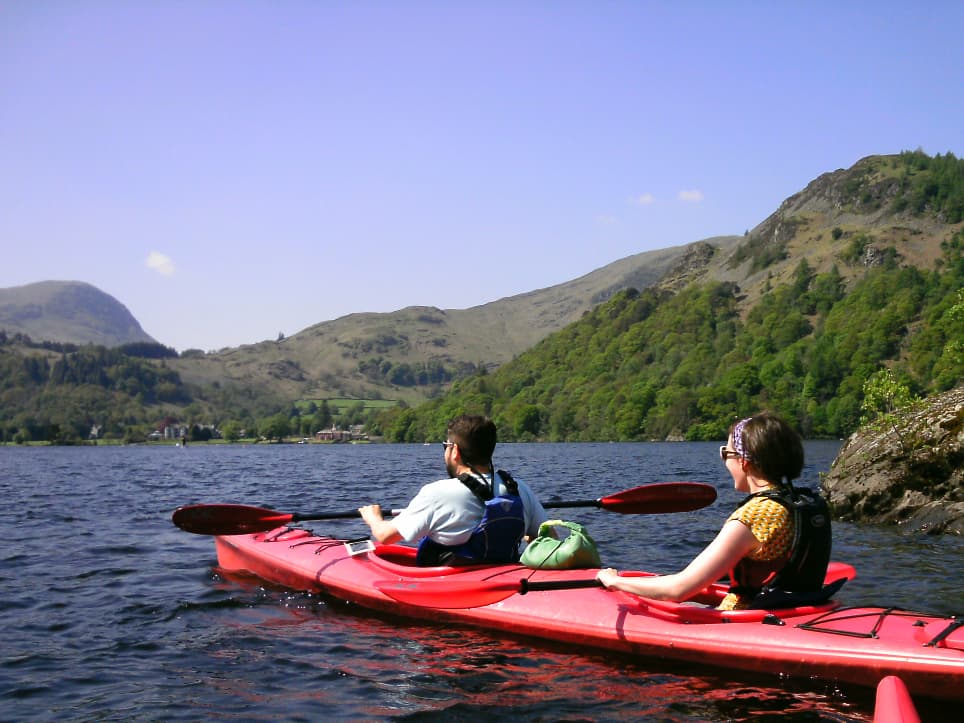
576, 550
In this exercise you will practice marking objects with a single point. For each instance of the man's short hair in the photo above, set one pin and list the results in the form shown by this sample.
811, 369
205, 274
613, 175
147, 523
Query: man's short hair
476, 437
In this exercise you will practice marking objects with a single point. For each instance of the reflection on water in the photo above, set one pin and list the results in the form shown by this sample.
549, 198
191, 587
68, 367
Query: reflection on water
429, 672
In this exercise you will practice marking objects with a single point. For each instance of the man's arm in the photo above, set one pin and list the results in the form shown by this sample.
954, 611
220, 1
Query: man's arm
535, 513
382, 530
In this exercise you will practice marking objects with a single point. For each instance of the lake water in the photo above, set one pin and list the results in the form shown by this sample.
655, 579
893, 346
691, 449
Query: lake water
109, 612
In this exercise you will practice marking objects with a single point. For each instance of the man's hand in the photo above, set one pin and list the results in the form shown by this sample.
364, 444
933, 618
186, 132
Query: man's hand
371, 514
382, 530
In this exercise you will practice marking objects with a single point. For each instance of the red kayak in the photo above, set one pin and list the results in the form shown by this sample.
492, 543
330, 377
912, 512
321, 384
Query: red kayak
857, 645
893, 703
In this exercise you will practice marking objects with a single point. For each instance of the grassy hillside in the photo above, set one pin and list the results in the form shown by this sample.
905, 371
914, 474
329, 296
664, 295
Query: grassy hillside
69, 312
415, 353
908, 203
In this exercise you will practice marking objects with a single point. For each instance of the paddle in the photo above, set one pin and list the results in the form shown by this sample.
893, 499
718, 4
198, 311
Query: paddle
655, 498
460, 594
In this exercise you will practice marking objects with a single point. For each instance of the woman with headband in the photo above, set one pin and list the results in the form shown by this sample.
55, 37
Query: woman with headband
759, 540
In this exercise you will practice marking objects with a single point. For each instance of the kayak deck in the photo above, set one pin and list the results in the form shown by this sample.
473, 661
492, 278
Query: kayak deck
852, 645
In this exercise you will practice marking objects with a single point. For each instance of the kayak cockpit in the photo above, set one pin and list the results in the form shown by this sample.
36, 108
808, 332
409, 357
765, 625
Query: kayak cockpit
399, 560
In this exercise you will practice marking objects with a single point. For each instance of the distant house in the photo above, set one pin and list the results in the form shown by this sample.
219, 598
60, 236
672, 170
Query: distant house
356, 431
333, 435
175, 431
169, 430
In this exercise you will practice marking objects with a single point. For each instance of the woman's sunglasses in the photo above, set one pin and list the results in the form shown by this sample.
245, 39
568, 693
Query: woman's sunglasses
725, 453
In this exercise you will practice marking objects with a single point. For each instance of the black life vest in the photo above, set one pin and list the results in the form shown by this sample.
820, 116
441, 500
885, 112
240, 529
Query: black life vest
796, 578
497, 536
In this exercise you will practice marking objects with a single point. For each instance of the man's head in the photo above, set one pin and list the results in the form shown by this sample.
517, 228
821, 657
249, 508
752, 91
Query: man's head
475, 436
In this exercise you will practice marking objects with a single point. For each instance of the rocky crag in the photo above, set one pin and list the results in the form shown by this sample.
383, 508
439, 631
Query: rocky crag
908, 470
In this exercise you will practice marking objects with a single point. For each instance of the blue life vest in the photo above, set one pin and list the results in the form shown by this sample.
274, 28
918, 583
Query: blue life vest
497, 536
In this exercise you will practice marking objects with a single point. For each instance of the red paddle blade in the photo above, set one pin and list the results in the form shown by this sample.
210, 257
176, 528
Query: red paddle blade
837, 570
449, 594
661, 497
227, 519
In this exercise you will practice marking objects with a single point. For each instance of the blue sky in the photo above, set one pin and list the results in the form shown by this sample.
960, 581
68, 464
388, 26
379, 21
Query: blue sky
231, 170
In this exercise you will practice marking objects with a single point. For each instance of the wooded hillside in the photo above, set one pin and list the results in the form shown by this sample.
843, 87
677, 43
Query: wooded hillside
659, 364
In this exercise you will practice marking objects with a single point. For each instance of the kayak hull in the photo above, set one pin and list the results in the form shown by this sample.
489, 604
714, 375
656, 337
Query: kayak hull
850, 645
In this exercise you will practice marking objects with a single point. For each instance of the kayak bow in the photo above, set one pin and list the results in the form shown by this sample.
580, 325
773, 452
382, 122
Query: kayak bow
893, 703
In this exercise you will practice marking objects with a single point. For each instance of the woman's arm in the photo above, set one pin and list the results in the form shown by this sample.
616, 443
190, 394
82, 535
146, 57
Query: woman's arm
731, 545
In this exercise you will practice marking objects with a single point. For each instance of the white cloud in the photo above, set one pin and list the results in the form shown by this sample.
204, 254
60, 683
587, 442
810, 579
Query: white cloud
644, 199
690, 196
604, 220
160, 263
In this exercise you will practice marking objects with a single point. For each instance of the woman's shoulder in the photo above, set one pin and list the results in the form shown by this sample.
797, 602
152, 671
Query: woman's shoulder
761, 506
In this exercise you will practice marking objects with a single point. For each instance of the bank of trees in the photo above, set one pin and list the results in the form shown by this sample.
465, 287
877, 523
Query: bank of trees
418, 374
68, 394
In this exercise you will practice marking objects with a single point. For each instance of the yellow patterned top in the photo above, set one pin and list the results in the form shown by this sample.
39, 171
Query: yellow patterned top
772, 525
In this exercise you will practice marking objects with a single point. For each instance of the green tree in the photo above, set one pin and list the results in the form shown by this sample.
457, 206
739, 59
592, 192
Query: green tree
884, 398
883, 395
275, 427
231, 431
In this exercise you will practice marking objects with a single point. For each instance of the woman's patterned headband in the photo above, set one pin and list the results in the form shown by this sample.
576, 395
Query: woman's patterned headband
738, 439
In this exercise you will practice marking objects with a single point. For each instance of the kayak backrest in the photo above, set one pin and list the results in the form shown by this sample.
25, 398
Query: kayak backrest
400, 560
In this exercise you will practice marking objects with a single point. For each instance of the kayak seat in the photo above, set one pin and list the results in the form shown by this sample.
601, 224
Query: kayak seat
401, 560
778, 599
701, 608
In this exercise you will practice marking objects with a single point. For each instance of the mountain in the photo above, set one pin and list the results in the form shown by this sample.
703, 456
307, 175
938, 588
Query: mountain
854, 284
849, 219
69, 312
414, 353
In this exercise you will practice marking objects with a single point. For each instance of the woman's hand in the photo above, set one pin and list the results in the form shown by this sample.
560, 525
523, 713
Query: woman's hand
607, 576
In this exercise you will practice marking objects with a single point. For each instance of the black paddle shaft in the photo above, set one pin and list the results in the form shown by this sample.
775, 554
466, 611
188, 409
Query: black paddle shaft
526, 585
386, 511
573, 503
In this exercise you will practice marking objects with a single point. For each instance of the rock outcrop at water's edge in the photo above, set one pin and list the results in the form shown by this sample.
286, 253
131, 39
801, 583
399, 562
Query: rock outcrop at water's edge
909, 473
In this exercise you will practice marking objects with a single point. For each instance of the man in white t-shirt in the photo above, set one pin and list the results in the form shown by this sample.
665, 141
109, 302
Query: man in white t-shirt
448, 512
